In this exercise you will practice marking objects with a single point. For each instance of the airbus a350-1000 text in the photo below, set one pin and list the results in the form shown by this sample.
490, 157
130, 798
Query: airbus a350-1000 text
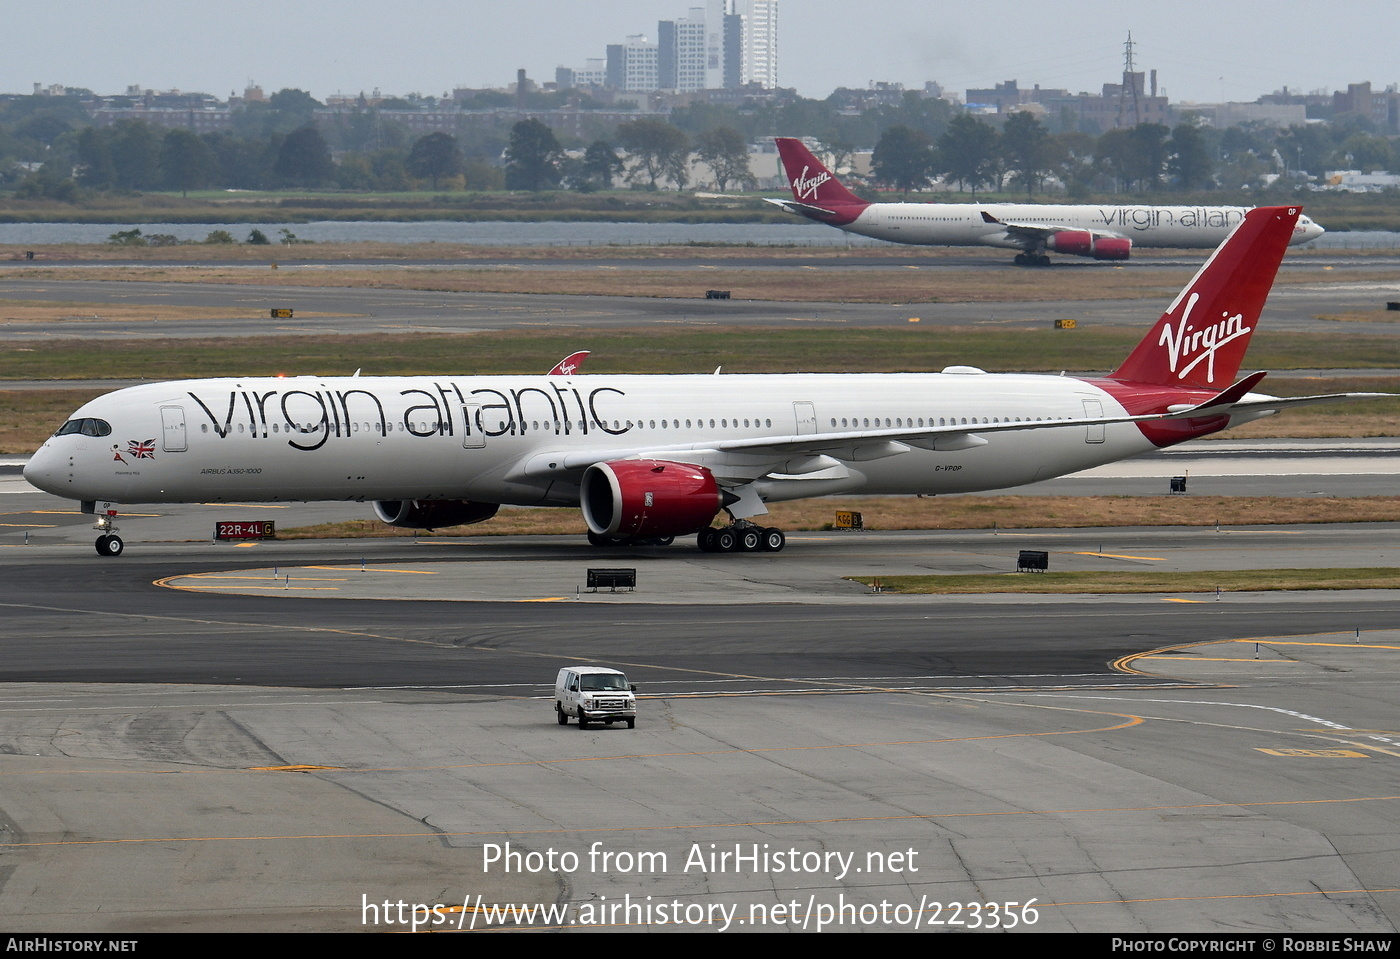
649, 458
1107, 232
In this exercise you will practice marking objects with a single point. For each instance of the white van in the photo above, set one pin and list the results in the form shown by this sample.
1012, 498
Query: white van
594, 694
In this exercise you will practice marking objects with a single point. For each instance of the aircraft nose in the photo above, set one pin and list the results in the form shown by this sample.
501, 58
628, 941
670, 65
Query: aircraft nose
47, 470
1311, 231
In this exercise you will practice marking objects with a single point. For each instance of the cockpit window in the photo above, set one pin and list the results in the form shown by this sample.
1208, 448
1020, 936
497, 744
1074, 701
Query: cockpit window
88, 426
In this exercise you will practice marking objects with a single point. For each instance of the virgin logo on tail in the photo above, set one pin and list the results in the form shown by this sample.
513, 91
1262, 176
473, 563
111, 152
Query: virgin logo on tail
1228, 295
805, 187
1186, 340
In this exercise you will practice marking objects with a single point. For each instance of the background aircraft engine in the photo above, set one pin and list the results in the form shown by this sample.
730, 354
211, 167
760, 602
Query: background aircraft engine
1077, 242
1083, 243
1112, 248
628, 498
432, 513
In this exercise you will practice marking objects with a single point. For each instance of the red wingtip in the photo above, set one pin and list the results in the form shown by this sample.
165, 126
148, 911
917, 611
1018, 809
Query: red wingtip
1201, 340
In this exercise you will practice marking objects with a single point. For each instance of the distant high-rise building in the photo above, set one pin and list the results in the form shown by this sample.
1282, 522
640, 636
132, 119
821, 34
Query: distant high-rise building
723, 44
760, 41
690, 51
633, 65
594, 73
734, 59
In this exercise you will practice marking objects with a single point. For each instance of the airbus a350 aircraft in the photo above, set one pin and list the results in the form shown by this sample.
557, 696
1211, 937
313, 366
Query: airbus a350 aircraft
1106, 232
653, 457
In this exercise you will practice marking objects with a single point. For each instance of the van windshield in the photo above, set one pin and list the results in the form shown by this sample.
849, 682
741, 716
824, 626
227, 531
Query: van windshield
604, 682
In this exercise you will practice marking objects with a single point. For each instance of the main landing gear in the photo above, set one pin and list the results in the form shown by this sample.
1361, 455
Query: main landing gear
1031, 259
742, 537
738, 537
109, 543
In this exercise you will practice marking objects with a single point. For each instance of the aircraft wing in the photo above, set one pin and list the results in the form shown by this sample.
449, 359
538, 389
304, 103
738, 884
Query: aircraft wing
735, 462
1275, 403
1040, 231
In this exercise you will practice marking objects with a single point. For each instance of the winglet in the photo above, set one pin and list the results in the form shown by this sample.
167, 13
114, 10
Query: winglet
1201, 340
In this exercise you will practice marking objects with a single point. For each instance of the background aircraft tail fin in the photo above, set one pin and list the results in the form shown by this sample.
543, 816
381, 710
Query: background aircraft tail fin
1201, 340
811, 181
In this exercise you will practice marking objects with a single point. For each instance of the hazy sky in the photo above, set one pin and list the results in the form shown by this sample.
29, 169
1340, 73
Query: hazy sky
1203, 50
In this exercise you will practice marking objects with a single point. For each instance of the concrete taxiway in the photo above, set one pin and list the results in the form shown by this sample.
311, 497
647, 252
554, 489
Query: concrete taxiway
256, 754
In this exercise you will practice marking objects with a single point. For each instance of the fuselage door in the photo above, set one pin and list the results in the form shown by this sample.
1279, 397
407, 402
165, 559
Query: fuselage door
472, 436
806, 415
172, 422
1093, 410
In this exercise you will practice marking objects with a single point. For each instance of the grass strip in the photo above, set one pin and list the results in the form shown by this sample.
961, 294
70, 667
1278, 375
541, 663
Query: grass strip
808, 345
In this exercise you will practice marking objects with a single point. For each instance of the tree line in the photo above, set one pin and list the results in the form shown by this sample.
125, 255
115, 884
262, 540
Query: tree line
1023, 154
284, 143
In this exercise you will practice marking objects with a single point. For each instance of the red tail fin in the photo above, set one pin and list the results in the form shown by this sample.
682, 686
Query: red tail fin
812, 182
1201, 340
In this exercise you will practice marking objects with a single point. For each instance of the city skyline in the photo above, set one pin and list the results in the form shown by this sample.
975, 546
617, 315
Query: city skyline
1205, 52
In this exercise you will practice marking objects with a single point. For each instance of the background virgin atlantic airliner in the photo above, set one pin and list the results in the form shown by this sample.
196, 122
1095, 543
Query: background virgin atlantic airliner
653, 457
1104, 232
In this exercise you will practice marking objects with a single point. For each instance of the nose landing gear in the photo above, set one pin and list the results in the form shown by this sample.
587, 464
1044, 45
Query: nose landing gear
109, 543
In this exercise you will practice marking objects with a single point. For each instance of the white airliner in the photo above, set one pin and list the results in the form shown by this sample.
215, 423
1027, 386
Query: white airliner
1104, 232
649, 458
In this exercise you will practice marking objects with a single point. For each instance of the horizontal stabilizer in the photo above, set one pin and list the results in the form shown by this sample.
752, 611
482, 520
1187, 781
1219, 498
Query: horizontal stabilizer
803, 209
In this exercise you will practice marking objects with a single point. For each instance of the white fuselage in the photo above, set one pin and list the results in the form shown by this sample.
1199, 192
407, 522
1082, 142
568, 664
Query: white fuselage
962, 224
505, 439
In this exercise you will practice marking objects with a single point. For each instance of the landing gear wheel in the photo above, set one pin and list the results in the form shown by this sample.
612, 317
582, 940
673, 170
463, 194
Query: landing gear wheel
559, 711
706, 539
750, 539
1019, 259
109, 546
773, 540
726, 541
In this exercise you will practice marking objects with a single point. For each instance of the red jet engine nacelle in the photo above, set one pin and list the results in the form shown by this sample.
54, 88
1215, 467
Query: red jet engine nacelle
638, 498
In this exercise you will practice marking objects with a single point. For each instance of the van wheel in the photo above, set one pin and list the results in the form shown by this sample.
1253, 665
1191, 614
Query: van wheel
582, 720
632, 723
559, 710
